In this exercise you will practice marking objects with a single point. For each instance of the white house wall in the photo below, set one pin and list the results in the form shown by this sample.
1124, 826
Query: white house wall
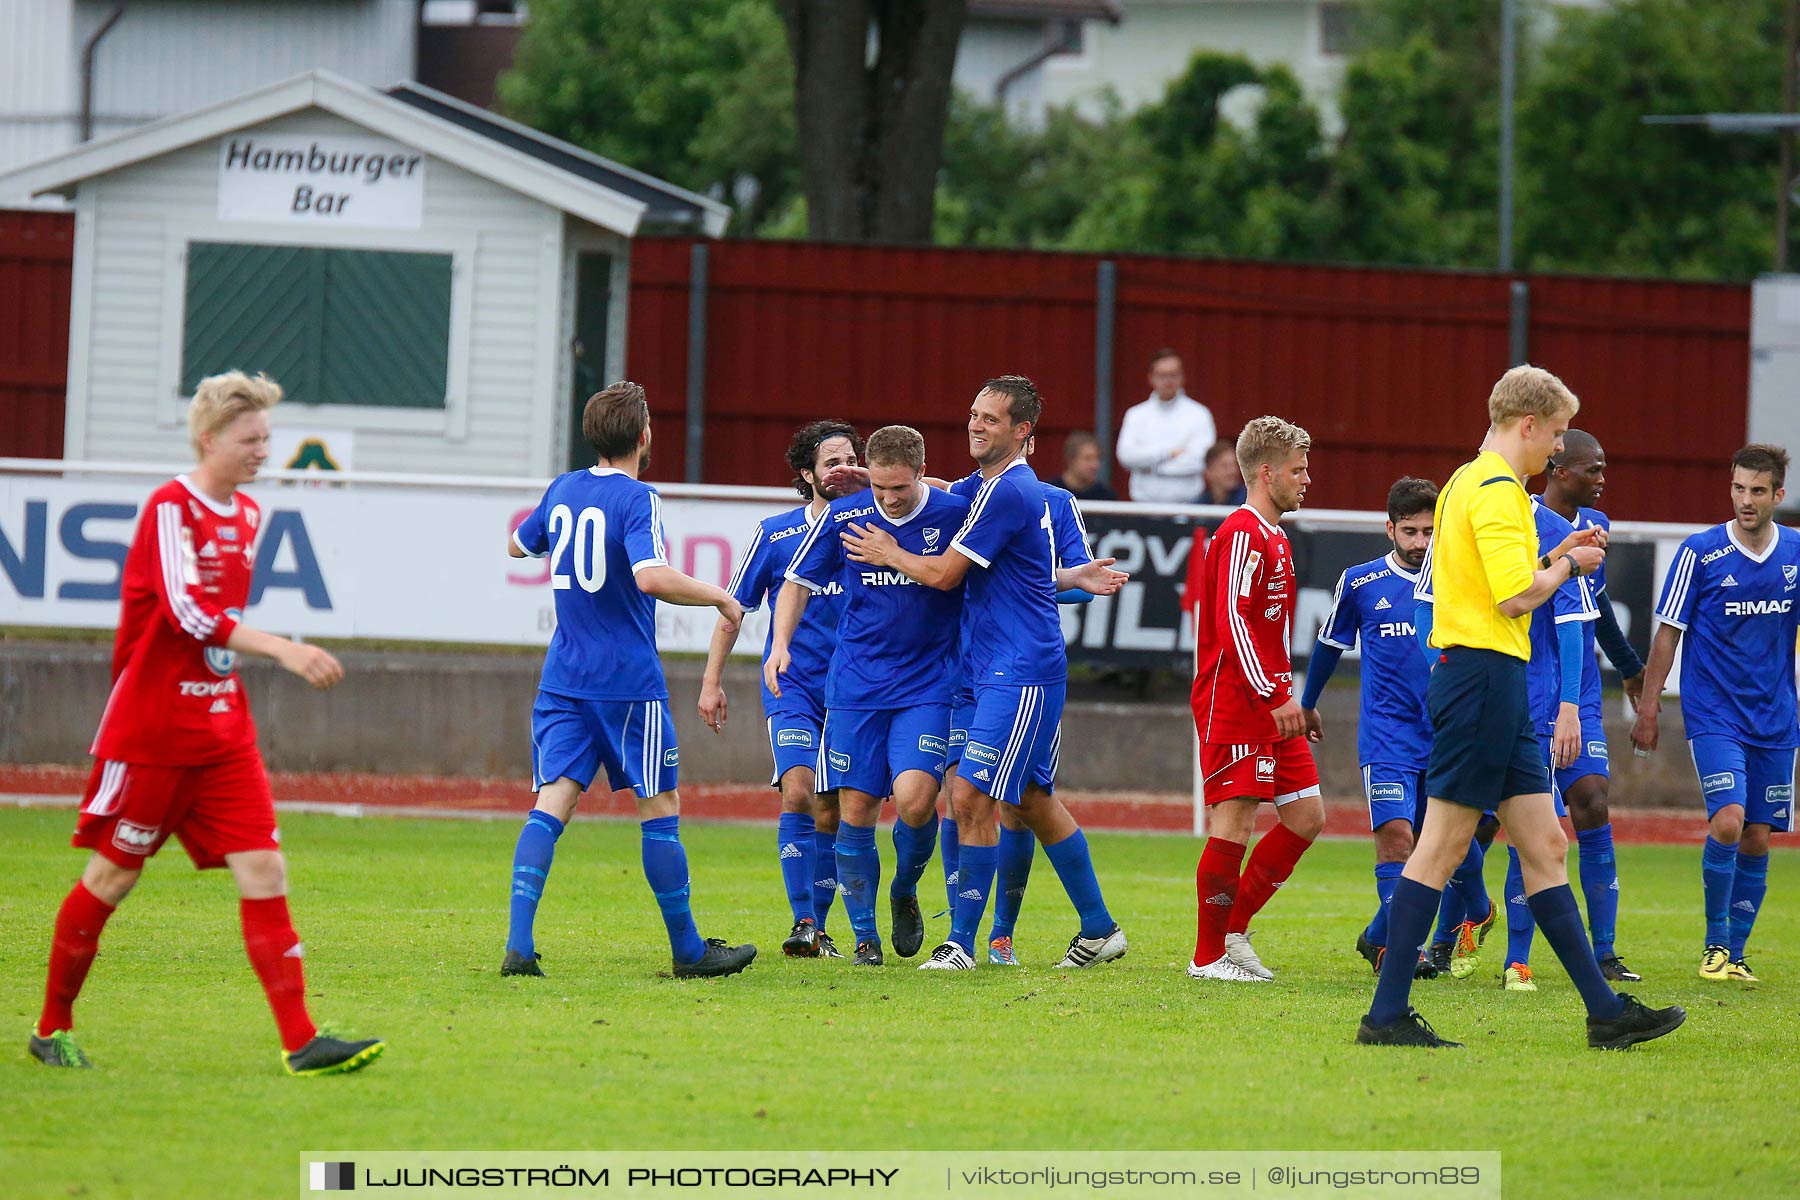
129, 409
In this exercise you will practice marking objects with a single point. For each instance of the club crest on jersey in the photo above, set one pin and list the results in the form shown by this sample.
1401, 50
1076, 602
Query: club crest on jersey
1791, 573
219, 660
133, 838
1717, 782
794, 737
932, 536
1265, 770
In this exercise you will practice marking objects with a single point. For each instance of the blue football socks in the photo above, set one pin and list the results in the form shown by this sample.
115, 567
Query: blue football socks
1017, 846
794, 840
913, 847
1599, 872
859, 875
949, 844
974, 881
530, 871
1470, 888
666, 870
1718, 871
1386, 876
1075, 867
1747, 891
1520, 924
824, 872
1410, 914
1560, 920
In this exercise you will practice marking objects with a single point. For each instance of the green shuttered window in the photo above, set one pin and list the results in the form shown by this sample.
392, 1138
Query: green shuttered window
363, 327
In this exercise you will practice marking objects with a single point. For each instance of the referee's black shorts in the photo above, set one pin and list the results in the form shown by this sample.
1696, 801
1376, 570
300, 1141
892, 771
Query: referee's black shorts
1483, 746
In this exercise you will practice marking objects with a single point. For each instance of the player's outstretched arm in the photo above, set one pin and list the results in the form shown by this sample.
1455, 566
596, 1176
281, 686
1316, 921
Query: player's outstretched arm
1644, 731
712, 680
1097, 578
672, 587
877, 548
317, 666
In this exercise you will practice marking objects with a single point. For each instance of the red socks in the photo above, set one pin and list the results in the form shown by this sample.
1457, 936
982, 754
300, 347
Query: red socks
274, 950
1216, 889
72, 949
1269, 867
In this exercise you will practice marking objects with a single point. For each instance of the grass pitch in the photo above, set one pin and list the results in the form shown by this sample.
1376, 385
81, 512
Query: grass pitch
404, 923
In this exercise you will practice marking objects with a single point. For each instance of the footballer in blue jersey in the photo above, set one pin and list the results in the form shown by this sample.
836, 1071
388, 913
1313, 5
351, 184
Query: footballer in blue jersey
602, 701
1004, 559
1728, 603
806, 831
887, 693
1373, 603
1572, 487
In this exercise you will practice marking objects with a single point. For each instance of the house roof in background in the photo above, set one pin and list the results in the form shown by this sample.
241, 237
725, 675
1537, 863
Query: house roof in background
1110, 11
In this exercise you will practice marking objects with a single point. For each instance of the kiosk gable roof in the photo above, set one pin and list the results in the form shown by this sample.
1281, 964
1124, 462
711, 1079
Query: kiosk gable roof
604, 193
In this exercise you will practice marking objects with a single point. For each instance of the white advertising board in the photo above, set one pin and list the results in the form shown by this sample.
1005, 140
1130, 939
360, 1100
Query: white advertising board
290, 179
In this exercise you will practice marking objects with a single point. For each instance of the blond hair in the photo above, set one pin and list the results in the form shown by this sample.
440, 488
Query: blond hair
1527, 391
222, 399
1268, 440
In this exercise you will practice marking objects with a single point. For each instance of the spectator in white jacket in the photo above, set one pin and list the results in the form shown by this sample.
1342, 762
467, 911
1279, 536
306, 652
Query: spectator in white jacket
1163, 441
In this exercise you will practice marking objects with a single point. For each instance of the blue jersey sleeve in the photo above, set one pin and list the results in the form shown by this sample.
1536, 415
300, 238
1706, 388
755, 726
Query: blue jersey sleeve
1681, 588
1071, 534
1570, 646
967, 486
750, 584
999, 515
1424, 614
1339, 630
645, 542
820, 556
533, 534
1573, 602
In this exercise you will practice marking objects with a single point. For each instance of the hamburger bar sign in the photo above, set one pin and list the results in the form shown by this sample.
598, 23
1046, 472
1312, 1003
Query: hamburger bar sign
295, 179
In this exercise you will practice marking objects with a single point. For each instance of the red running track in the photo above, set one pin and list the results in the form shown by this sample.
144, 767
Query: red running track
1143, 812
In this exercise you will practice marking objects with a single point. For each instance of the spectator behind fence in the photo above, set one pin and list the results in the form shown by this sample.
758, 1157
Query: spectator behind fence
1221, 482
1081, 467
1163, 441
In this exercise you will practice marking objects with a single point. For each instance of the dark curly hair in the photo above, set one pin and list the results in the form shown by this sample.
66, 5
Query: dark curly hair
803, 451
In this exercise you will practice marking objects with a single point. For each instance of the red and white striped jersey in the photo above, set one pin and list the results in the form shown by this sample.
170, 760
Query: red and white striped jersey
1243, 670
176, 698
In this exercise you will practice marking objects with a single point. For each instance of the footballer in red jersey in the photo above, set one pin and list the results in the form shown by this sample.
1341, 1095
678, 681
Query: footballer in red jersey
176, 748
1253, 747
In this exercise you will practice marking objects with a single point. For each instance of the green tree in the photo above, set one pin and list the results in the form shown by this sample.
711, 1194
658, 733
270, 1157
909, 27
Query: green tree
699, 93
1601, 191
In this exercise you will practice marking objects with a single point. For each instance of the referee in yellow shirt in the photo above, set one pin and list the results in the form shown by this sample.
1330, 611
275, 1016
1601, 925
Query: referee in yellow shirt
1484, 751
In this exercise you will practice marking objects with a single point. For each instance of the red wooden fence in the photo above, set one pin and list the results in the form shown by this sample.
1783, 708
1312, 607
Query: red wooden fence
1387, 368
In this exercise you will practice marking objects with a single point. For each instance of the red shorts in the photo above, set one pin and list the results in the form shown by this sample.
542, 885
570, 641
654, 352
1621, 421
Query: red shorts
1277, 771
221, 808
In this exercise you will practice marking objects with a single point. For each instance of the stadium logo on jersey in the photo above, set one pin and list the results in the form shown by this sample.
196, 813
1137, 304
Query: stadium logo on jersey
1382, 605
1718, 782
932, 745
1721, 552
672, 758
1271, 612
794, 737
977, 752
1387, 791
850, 514
932, 536
219, 660
839, 762
1265, 770
1757, 608
133, 838
1596, 749
1728, 581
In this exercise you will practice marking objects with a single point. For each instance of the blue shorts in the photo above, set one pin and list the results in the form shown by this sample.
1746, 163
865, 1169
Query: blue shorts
1394, 793
1483, 747
1758, 777
867, 749
1013, 739
1592, 760
962, 711
635, 739
795, 740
